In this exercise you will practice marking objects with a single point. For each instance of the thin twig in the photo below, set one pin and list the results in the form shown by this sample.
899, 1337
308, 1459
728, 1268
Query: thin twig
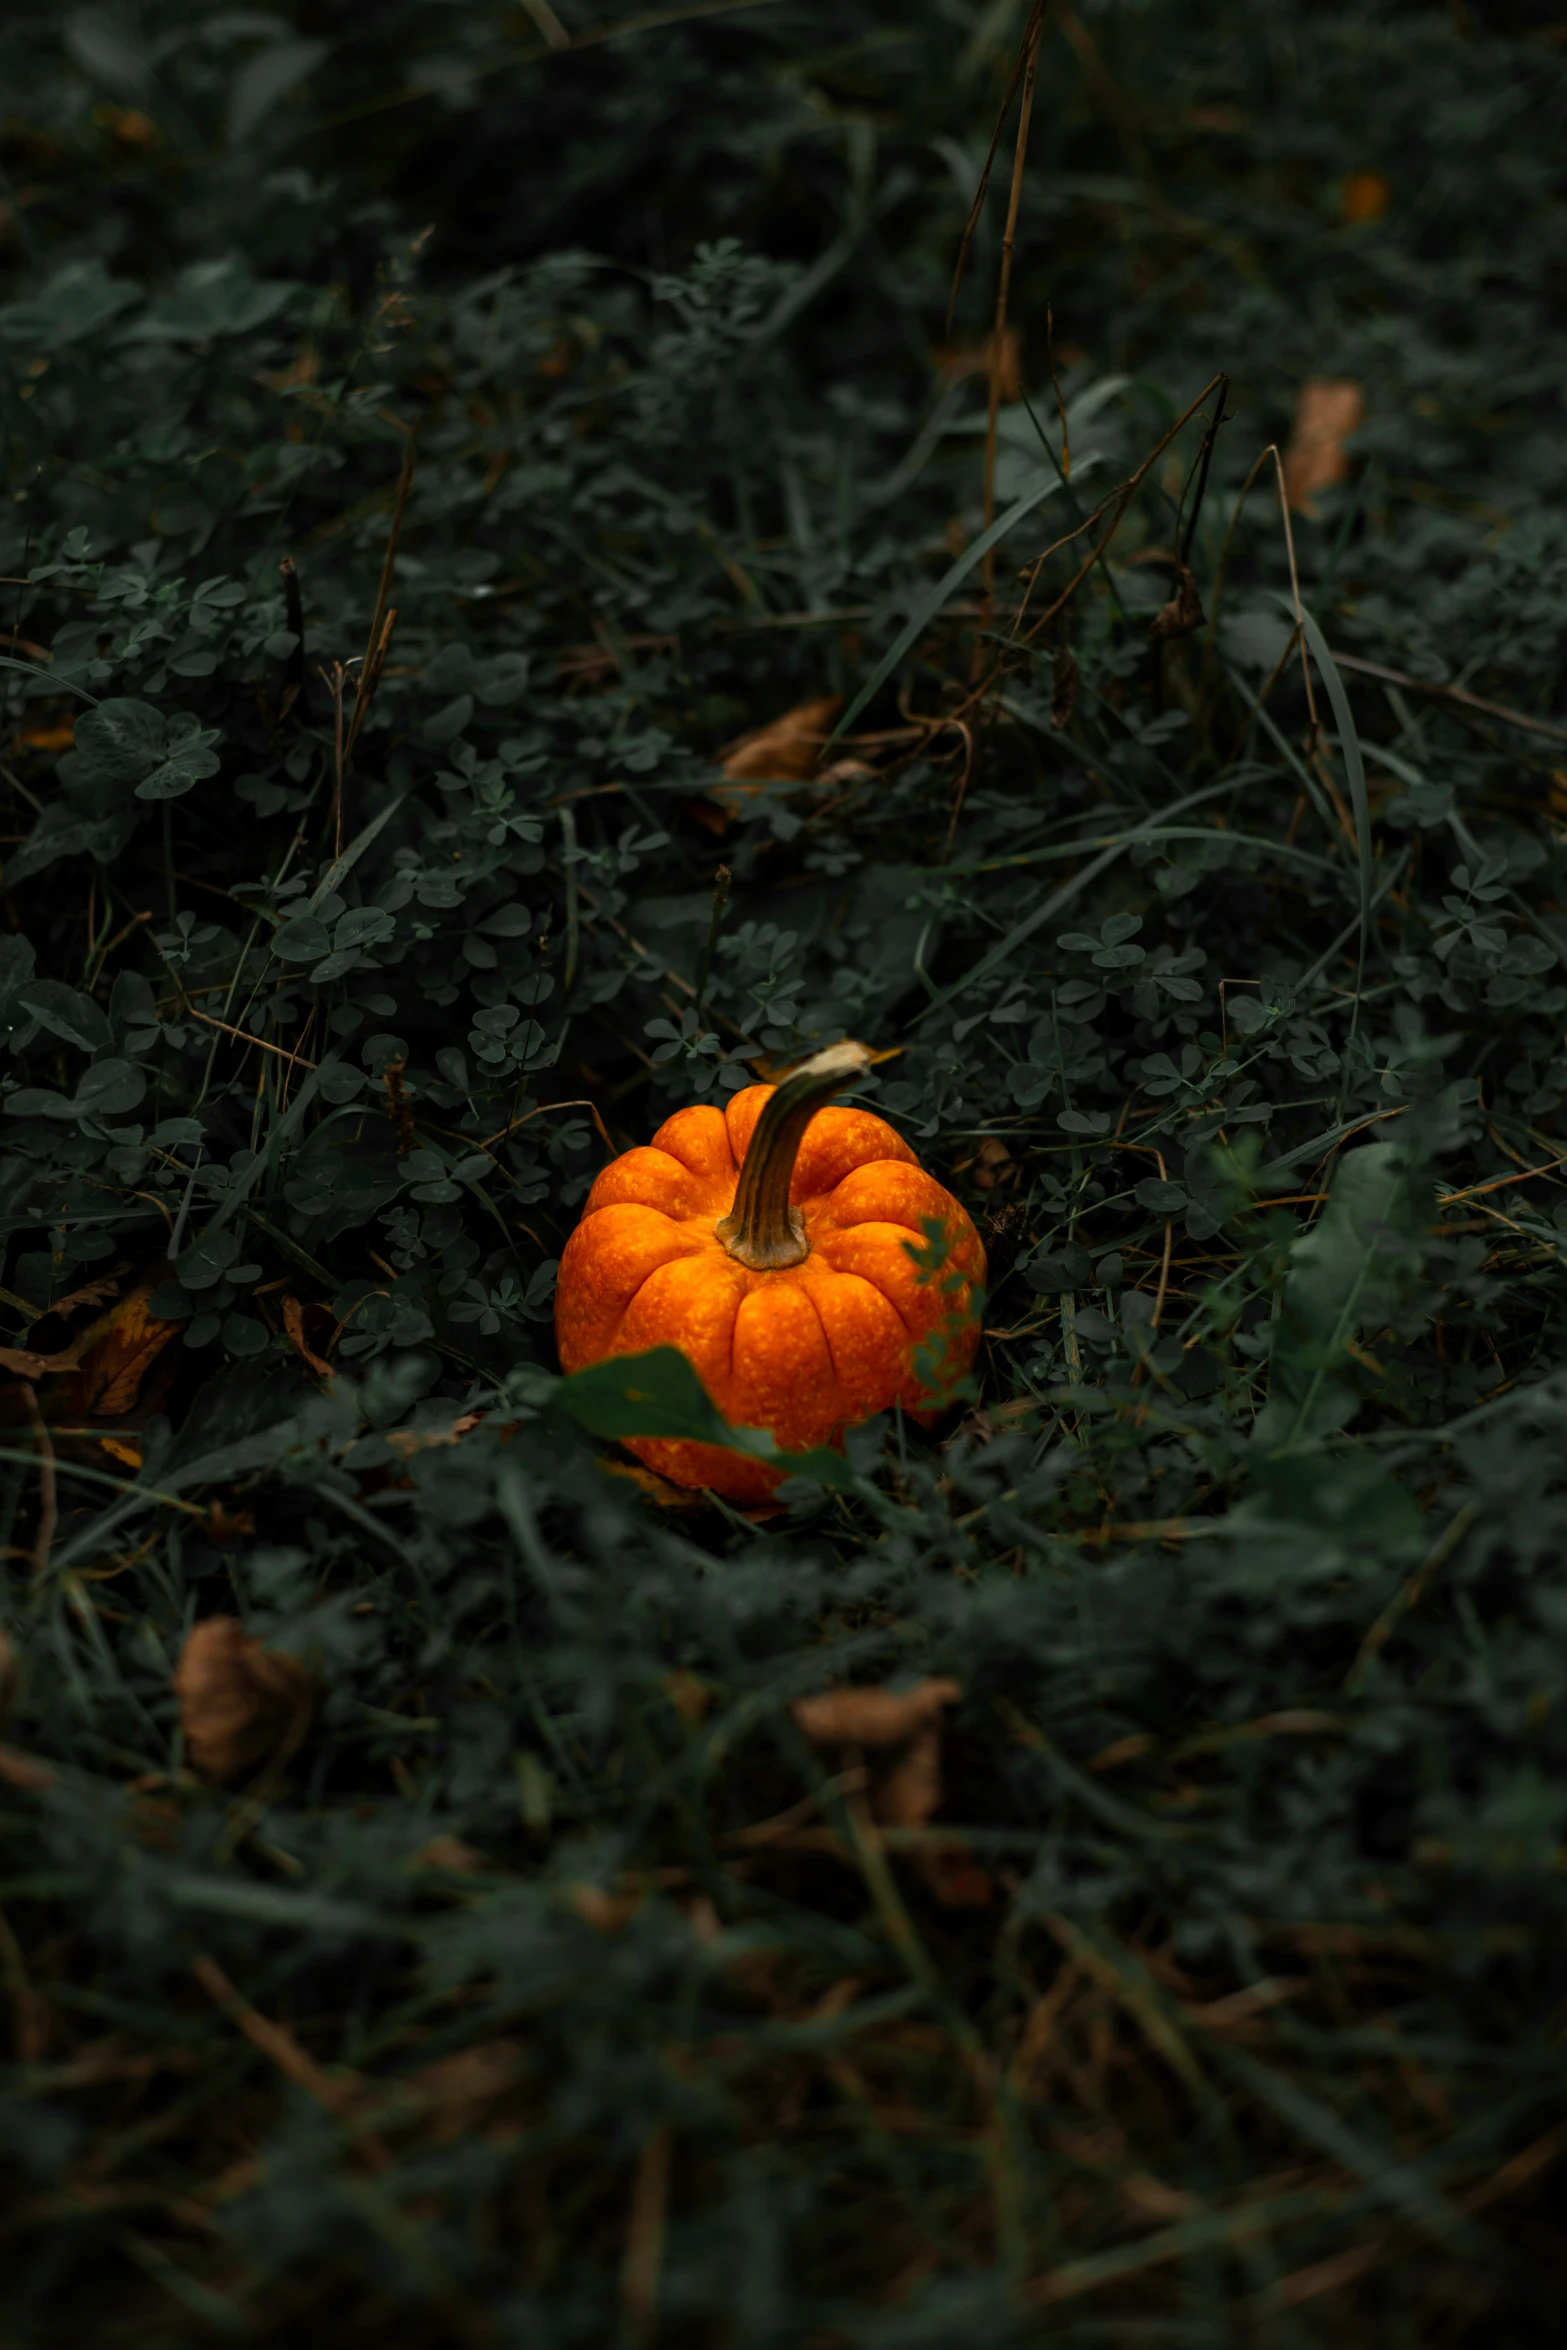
380, 624
644, 2257
334, 686
1003, 289
1027, 49
243, 1034
1452, 693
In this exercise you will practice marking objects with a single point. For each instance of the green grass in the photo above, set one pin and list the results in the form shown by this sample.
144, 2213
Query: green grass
552, 1989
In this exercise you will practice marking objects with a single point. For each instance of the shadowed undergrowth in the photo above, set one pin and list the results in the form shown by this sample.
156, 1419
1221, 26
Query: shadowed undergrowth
1091, 1871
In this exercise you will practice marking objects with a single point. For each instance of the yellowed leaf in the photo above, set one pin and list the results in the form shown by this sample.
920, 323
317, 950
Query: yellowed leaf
1327, 414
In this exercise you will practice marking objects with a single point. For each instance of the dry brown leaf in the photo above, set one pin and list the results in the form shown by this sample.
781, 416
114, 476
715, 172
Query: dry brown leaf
33, 1362
1363, 196
226, 1525
786, 750
450, 1854
294, 1325
1183, 613
669, 1496
241, 1705
898, 1731
91, 1293
875, 1719
24, 1771
459, 2089
106, 1364
1327, 414
605, 1912
408, 1441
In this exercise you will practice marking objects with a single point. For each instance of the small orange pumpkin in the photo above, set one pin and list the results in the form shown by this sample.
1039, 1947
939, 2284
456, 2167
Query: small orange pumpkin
770, 1242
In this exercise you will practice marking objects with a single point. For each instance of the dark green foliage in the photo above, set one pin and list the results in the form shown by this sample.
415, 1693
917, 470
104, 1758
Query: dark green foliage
336, 948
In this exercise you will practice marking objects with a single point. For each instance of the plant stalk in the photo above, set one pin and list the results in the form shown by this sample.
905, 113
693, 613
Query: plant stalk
762, 1231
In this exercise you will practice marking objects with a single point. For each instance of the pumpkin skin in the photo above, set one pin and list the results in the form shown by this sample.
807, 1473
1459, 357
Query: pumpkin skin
805, 1350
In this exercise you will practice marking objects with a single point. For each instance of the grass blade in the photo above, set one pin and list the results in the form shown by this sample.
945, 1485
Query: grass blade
931, 602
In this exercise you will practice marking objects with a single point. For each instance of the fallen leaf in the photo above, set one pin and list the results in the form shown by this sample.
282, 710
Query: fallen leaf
1182, 613
605, 1912
294, 1324
223, 1524
993, 1163
786, 750
113, 1355
898, 1732
58, 736
1363, 196
21, 1770
876, 1719
668, 1495
449, 1853
123, 1449
130, 127
241, 1705
459, 2089
408, 1441
1327, 413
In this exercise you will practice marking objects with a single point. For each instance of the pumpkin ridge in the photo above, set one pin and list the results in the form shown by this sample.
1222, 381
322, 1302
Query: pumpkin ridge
821, 1323
698, 1247
831, 1272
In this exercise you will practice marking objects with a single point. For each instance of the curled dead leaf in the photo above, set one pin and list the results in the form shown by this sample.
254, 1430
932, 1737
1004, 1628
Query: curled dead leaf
1327, 414
786, 750
1183, 613
294, 1325
241, 1705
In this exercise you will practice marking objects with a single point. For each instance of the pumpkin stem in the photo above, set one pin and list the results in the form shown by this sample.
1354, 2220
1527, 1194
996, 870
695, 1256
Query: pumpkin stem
762, 1231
